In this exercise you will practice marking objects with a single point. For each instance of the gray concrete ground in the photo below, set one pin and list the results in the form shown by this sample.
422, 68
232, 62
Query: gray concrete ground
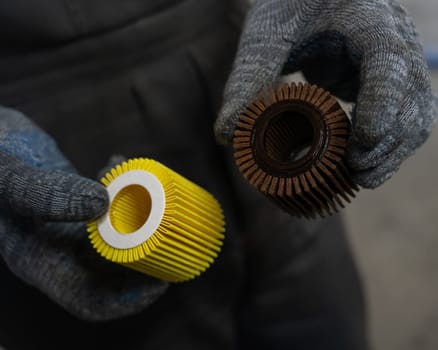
394, 232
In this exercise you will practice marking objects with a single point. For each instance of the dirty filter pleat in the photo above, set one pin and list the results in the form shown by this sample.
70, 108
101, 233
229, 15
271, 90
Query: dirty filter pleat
290, 144
158, 222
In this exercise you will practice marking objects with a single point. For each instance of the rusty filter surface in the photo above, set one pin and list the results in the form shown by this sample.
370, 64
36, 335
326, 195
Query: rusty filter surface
290, 144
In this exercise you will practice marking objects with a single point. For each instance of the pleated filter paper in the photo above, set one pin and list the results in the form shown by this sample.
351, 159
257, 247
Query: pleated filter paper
158, 222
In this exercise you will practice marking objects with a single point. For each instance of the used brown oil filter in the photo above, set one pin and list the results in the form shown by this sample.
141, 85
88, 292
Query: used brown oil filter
290, 144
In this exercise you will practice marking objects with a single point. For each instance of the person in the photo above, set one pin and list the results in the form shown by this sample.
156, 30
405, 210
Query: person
85, 84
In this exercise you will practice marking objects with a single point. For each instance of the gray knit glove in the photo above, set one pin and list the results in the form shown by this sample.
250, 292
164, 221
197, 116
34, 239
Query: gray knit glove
363, 51
39, 192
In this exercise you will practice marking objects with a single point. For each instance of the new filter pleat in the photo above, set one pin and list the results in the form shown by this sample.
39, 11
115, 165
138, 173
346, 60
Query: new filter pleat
159, 222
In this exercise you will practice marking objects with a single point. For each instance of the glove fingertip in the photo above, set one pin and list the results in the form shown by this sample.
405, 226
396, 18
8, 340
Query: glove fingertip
222, 132
373, 178
98, 204
228, 116
91, 202
73, 198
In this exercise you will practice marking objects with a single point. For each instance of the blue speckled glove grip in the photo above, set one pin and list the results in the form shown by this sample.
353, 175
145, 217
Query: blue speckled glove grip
365, 51
37, 181
39, 192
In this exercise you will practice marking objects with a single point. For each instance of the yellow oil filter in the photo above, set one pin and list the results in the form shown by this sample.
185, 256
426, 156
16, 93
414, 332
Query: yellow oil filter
158, 222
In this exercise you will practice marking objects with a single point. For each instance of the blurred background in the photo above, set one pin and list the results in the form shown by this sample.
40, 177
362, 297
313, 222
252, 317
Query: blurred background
394, 232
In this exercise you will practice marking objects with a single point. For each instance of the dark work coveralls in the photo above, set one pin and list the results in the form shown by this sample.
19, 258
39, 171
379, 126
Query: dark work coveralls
145, 78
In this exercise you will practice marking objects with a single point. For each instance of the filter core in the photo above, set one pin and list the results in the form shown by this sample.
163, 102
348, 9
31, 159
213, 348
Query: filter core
130, 209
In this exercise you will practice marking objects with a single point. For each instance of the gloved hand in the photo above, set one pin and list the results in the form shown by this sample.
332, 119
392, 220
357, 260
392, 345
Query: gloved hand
43, 237
363, 51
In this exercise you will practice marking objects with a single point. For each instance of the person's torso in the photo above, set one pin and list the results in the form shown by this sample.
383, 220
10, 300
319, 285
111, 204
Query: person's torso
27, 23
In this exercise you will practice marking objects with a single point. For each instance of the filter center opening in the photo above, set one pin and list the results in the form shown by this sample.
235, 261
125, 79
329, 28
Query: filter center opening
289, 137
130, 209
